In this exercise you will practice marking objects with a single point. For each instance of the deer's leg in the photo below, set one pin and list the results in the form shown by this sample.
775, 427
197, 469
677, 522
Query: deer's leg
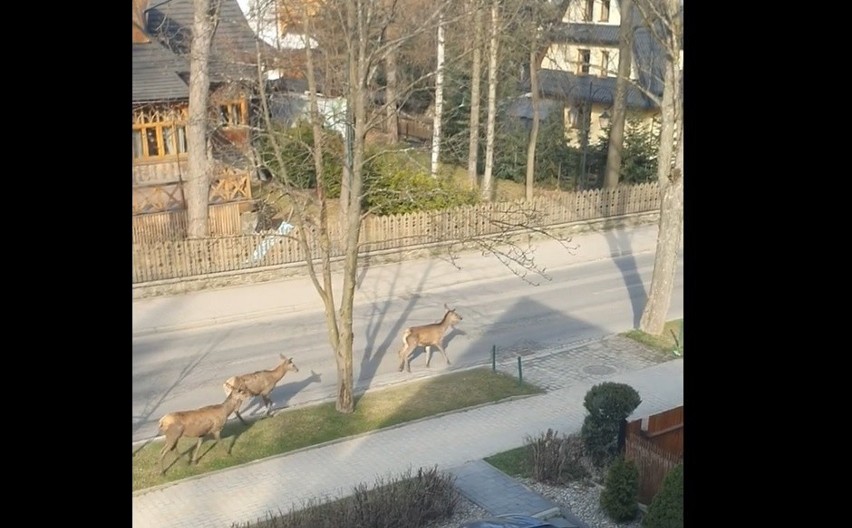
428, 355
237, 412
403, 357
194, 459
444, 352
170, 445
268, 402
216, 438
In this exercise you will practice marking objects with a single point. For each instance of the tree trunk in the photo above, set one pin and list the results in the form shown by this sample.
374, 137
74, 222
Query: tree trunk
326, 290
668, 248
439, 99
492, 103
535, 124
475, 78
197, 190
671, 182
357, 101
619, 108
392, 112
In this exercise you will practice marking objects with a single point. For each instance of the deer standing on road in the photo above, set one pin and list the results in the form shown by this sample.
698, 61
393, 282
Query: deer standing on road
427, 336
199, 423
261, 382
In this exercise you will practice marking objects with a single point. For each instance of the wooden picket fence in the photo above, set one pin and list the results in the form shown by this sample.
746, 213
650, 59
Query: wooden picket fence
181, 258
655, 447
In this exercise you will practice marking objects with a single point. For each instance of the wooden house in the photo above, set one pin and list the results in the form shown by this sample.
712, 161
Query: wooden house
162, 35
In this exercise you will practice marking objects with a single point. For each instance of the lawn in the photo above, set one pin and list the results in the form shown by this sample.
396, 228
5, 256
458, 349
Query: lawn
307, 426
670, 342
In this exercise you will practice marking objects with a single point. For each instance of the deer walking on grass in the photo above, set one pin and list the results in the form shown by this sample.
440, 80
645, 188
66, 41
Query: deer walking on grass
261, 383
428, 336
199, 423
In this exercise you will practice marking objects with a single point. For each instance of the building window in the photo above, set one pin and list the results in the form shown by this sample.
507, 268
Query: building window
577, 116
584, 61
604, 63
587, 12
604, 11
232, 113
159, 132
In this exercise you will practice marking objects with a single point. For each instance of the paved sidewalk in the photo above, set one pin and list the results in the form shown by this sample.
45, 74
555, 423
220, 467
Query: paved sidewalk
253, 491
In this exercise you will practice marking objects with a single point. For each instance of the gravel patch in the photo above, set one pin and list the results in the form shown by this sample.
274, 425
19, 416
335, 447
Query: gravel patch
579, 499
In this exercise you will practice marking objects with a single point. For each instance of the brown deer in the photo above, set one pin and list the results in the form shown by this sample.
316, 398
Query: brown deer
427, 336
199, 423
261, 382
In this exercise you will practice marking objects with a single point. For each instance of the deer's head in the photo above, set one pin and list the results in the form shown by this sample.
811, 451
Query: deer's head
451, 317
288, 363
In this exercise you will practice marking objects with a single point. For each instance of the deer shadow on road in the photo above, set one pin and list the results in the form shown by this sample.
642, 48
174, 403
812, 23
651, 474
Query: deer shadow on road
280, 396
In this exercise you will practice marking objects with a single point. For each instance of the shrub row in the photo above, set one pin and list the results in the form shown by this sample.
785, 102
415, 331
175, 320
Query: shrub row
407, 500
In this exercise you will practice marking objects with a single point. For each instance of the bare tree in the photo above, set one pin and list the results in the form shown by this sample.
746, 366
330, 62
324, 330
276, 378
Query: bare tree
475, 78
534, 91
205, 20
492, 101
359, 30
391, 95
664, 17
619, 107
439, 99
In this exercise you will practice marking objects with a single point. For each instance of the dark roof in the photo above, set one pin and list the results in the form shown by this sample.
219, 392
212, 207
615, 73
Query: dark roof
522, 107
557, 84
580, 33
233, 50
649, 59
155, 73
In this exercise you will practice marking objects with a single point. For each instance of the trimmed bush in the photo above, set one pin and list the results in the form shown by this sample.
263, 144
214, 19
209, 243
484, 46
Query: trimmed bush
600, 438
608, 404
666, 509
619, 497
611, 401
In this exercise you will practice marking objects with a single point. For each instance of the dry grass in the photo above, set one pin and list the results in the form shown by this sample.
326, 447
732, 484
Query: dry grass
301, 427
666, 343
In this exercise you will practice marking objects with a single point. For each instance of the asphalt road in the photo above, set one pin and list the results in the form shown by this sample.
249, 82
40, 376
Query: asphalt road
582, 300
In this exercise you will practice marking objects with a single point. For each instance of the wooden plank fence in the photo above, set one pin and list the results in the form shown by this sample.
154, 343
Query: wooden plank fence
655, 445
176, 258
171, 225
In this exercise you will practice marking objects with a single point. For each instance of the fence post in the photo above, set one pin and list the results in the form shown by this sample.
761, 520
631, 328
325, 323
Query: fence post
493, 358
520, 372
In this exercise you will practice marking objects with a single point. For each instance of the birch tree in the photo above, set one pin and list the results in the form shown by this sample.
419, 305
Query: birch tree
475, 80
439, 99
486, 190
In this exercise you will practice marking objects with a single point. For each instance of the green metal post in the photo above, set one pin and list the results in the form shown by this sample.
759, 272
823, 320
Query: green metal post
520, 372
493, 358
